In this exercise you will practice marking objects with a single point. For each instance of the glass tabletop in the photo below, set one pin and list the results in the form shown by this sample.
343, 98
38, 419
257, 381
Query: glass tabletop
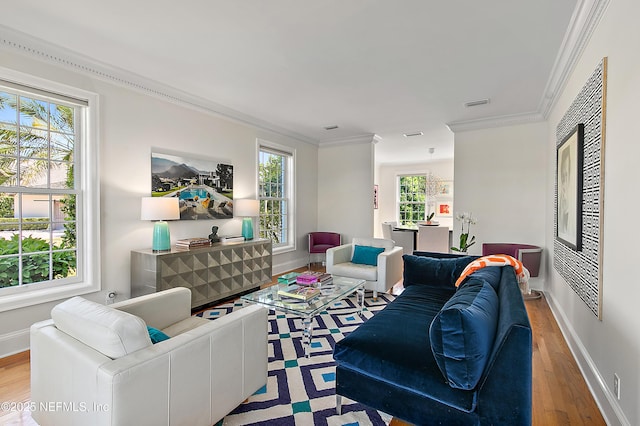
338, 289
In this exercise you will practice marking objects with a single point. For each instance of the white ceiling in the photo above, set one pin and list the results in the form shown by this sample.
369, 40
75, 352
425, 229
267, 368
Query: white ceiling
368, 66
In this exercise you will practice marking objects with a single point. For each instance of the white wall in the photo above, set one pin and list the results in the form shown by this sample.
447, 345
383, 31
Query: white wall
387, 181
500, 177
612, 345
345, 189
131, 124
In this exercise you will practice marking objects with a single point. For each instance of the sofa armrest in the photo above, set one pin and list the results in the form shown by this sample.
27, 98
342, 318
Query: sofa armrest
340, 254
160, 309
390, 267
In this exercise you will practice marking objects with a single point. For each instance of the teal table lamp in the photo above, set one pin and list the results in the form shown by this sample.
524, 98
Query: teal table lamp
160, 209
247, 209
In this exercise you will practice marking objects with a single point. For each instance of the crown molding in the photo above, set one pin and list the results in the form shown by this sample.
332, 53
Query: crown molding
584, 21
487, 123
48, 52
352, 140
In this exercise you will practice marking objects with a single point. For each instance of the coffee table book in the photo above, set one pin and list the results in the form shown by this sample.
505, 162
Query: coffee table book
289, 278
299, 292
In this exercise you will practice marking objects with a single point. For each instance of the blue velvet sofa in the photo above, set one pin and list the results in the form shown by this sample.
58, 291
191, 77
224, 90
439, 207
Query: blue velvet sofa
441, 355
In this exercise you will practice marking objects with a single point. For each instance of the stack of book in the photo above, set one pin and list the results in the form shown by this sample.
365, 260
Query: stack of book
189, 243
289, 278
312, 277
232, 239
299, 292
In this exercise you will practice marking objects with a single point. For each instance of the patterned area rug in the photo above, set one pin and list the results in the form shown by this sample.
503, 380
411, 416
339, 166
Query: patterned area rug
301, 391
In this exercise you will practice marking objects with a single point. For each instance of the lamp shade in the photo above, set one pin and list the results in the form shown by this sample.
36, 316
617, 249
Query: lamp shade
159, 208
247, 208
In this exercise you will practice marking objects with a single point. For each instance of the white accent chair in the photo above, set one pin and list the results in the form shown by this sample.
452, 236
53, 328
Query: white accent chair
95, 365
378, 278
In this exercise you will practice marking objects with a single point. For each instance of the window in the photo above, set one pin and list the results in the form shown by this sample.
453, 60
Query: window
43, 225
275, 189
412, 199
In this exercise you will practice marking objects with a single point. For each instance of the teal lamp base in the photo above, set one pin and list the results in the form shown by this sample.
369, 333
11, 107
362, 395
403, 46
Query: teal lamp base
161, 238
247, 228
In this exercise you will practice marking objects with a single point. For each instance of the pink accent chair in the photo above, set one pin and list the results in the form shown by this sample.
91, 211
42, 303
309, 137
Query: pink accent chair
320, 242
528, 254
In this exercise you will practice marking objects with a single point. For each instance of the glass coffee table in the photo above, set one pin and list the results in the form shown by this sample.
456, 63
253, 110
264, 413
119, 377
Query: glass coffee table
339, 289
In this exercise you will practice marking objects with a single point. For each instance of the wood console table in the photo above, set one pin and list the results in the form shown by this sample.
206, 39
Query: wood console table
211, 273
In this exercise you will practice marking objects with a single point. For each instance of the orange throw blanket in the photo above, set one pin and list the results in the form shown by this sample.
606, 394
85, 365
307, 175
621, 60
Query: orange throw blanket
522, 273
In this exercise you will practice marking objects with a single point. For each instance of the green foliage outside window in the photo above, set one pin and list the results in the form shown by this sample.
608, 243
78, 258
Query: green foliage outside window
272, 194
413, 197
38, 135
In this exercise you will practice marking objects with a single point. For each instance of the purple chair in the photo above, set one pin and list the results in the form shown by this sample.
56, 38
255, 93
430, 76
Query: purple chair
527, 254
320, 242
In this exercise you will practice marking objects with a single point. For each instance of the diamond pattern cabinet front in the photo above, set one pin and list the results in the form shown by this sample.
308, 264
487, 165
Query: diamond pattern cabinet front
211, 273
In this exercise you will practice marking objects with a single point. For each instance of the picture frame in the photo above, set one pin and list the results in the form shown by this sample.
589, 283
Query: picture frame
444, 209
569, 185
375, 196
203, 186
445, 189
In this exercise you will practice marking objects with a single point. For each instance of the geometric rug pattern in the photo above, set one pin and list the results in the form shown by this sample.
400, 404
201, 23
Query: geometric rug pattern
301, 391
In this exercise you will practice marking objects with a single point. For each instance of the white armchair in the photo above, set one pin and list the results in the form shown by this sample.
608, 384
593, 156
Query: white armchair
95, 364
378, 278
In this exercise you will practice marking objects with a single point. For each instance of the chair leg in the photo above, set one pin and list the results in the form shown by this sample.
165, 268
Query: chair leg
339, 404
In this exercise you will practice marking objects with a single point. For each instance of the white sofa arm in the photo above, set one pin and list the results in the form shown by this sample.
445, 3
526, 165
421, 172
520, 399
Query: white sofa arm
336, 255
390, 267
161, 309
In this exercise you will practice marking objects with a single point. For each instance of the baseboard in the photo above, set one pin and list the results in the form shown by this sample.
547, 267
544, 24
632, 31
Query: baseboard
14, 342
604, 397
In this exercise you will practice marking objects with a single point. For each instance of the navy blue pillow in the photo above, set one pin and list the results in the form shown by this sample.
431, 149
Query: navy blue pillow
462, 334
156, 335
490, 274
366, 255
433, 271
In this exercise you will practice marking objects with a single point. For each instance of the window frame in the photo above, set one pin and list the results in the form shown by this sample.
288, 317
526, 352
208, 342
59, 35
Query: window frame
398, 197
289, 180
86, 173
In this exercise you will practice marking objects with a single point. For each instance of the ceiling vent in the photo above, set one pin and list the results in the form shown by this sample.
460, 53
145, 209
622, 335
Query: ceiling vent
408, 135
331, 127
476, 103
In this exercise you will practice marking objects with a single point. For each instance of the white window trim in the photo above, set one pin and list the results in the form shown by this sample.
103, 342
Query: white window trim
88, 218
291, 179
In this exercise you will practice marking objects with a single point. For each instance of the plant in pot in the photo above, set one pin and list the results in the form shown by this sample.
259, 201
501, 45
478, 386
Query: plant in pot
465, 241
429, 217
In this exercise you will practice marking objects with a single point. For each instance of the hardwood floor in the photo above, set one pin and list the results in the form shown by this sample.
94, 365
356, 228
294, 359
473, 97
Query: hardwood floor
560, 394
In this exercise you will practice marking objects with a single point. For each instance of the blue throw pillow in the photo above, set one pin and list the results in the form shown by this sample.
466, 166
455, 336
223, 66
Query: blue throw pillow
366, 255
156, 335
462, 334
441, 272
490, 274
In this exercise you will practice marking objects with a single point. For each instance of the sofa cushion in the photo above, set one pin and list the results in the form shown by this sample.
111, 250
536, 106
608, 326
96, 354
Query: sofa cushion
382, 349
462, 334
356, 270
366, 255
433, 271
109, 331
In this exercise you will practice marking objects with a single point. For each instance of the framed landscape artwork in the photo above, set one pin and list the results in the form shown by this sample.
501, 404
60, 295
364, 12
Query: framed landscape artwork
446, 188
569, 189
203, 187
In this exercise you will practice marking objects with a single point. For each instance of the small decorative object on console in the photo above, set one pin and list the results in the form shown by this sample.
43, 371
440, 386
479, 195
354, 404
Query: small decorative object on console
213, 236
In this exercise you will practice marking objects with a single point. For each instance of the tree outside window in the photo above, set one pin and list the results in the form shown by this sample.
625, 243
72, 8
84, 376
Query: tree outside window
37, 188
274, 194
412, 199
